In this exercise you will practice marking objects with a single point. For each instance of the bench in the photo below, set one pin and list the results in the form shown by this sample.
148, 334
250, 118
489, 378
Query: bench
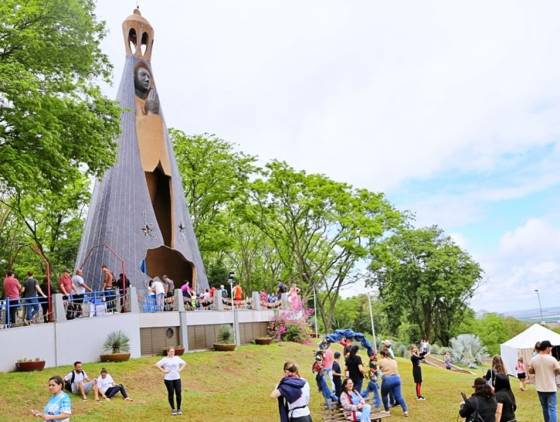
336, 414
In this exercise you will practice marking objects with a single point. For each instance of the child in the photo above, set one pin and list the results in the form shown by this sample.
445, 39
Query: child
372, 384
521, 373
447, 360
319, 370
416, 357
337, 374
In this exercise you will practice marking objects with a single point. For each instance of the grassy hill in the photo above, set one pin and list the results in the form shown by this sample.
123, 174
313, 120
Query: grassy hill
231, 387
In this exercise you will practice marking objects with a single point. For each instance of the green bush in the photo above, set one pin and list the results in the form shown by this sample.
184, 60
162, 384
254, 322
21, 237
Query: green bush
294, 332
225, 334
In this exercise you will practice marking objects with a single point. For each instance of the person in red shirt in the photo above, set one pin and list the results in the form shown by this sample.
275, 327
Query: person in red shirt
237, 292
12, 288
65, 283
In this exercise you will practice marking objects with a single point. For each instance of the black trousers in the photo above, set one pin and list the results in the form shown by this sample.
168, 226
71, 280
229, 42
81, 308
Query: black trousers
111, 391
302, 419
173, 386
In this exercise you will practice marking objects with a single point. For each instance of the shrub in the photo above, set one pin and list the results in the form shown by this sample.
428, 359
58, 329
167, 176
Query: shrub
468, 350
117, 342
294, 332
225, 334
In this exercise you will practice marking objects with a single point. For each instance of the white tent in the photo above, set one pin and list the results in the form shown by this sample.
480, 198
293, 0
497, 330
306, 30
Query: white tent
524, 343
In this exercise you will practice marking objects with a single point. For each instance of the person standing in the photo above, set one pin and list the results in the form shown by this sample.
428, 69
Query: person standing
482, 402
159, 290
521, 372
108, 289
79, 285
545, 367
337, 375
12, 289
44, 302
31, 290
391, 382
237, 293
355, 368
172, 366
416, 357
293, 395
505, 412
498, 367
59, 406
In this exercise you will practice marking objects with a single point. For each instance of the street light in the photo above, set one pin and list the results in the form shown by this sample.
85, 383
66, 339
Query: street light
234, 325
540, 304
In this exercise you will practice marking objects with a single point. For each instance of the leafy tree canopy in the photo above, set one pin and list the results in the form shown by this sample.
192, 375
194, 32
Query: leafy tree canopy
53, 117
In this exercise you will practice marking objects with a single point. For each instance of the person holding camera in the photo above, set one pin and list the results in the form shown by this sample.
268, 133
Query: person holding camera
482, 405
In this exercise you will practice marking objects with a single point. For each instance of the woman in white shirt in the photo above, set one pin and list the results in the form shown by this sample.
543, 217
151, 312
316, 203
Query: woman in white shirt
107, 387
171, 366
293, 394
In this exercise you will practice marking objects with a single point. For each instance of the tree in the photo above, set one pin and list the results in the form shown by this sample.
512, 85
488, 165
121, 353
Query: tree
51, 223
213, 176
53, 118
320, 229
426, 279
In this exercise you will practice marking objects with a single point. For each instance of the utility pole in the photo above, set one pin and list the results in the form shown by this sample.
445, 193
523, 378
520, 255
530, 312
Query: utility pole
540, 305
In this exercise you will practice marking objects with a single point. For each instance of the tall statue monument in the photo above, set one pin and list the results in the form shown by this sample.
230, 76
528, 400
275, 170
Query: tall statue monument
138, 220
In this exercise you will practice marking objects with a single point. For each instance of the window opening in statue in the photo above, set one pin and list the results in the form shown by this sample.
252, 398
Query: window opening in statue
132, 40
144, 43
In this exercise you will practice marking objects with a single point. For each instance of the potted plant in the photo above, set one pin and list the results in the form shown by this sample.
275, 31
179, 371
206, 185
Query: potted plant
26, 365
118, 344
179, 350
225, 340
263, 340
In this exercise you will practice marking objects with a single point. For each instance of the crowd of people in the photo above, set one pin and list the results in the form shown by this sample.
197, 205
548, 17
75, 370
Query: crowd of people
30, 297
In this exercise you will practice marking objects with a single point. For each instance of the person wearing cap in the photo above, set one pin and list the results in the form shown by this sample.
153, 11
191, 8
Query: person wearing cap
545, 368
482, 402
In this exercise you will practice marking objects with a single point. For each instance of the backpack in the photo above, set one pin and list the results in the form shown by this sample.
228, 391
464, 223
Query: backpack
68, 384
476, 416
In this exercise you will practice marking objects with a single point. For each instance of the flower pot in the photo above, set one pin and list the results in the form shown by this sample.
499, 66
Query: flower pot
31, 365
179, 350
220, 347
115, 357
263, 340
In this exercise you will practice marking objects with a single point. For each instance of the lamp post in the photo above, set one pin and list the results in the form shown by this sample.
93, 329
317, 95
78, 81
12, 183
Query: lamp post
230, 279
315, 309
372, 325
540, 304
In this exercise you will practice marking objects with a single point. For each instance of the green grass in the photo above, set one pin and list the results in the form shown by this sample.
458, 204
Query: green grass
232, 387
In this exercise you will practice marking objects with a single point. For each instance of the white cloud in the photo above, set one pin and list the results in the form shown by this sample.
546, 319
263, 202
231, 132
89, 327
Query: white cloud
528, 258
360, 91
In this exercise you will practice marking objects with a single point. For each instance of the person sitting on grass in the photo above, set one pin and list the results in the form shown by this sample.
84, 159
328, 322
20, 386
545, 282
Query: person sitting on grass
59, 406
355, 407
482, 402
79, 382
107, 388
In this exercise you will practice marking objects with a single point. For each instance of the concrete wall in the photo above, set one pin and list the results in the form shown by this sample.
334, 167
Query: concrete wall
62, 343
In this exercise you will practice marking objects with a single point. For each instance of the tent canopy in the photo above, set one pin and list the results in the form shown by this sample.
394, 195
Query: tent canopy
524, 343
528, 338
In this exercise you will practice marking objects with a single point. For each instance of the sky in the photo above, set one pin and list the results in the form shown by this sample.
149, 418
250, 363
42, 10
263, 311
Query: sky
451, 109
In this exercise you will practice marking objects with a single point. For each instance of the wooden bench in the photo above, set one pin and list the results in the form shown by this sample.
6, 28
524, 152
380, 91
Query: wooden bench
336, 414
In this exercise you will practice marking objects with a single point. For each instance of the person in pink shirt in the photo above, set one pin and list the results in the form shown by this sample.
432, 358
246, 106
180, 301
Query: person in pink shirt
328, 360
12, 288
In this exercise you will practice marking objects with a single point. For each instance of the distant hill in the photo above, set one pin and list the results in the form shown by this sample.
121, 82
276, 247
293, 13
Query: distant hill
533, 315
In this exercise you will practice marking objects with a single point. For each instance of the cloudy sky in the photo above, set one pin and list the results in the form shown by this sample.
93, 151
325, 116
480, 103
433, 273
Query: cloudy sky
452, 110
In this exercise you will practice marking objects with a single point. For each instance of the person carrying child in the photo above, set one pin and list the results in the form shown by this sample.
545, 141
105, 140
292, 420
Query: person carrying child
372, 384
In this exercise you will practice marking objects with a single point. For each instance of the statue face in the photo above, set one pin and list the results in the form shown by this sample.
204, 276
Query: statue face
142, 81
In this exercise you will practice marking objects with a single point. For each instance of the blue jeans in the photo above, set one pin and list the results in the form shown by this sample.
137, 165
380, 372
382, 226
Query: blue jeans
365, 412
374, 388
31, 307
392, 385
548, 403
325, 390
